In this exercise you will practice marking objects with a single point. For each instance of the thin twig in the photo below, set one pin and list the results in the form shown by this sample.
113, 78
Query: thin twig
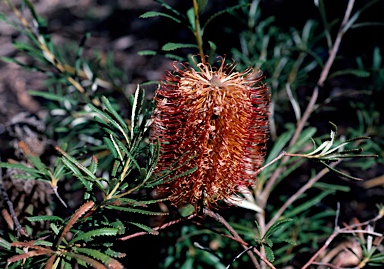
197, 31
329, 265
295, 196
244, 244
238, 256
345, 230
264, 194
166, 225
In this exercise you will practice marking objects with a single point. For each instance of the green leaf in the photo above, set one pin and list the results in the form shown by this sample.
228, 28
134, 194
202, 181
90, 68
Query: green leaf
289, 241
174, 57
134, 210
105, 259
191, 19
377, 58
280, 143
21, 167
94, 164
212, 45
136, 109
77, 173
128, 201
119, 226
146, 52
75, 162
93, 233
166, 173
45, 218
84, 260
258, 229
145, 228
340, 173
169, 7
123, 130
25, 66
174, 46
52, 96
307, 205
4, 244
377, 258
276, 226
355, 72
202, 4
223, 12
36, 161
151, 14
114, 254
268, 242
54, 228
32, 10
269, 254
79, 53
326, 186
113, 111
43, 243
111, 147
304, 137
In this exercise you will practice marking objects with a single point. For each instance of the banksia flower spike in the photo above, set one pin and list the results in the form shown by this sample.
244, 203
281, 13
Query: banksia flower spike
214, 120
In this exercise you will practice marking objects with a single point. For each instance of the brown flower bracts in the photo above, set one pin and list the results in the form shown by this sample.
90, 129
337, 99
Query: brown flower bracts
214, 120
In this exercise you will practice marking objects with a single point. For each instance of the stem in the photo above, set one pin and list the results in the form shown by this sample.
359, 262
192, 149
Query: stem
293, 198
122, 176
244, 244
166, 225
263, 196
345, 230
197, 31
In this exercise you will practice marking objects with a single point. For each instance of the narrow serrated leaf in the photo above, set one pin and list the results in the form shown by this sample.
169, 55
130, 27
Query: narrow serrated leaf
276, 226
82, 258
223, 12
110, 121
22, 167
95, 232
269, 254
174, 46
5, 244
151, 14
115, 254
45, 218
77, 173
135, 210
145, 228
52, 96
146, 52
105, 259
340, 173
76, 163
305, 206
113, 111
290, 241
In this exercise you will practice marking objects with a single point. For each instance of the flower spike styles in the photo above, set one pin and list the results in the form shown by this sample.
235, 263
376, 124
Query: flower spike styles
214, 120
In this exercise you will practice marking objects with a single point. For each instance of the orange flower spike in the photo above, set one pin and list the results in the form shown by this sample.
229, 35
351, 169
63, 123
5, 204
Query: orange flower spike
215, 120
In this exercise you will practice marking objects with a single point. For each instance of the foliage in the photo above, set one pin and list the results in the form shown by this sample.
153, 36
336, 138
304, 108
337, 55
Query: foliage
103, 151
